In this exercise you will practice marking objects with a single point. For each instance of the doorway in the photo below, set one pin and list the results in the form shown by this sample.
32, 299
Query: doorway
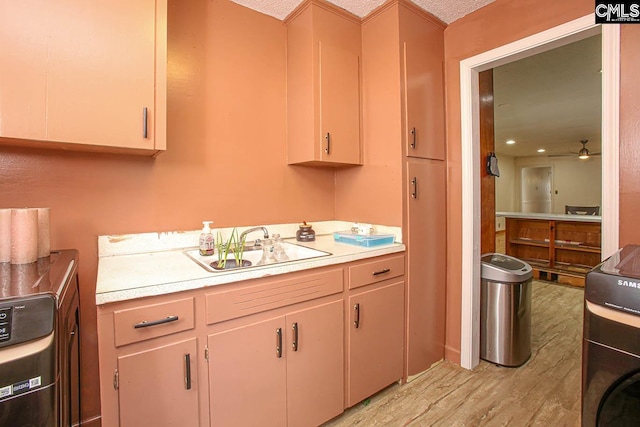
536, 189
469, 69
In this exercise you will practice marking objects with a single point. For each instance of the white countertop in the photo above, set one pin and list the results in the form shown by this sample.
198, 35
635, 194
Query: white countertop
130, 276
549, 216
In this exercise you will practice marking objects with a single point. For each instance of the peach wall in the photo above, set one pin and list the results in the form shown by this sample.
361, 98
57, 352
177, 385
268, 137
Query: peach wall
494, 25
373, 192
225, 158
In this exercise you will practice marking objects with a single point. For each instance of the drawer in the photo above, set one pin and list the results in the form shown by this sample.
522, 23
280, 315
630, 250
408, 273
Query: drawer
151, 321
270, 294
376, 271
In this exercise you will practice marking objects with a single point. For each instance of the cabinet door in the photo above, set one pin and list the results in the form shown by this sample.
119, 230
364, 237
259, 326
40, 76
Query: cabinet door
423, 56
247, 375
340, 105
315, 364
84, 72
24, 29
101, 72
426, 250
376, 341
159, 387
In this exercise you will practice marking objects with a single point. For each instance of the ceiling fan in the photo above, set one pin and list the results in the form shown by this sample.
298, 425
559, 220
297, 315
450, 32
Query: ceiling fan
584, 152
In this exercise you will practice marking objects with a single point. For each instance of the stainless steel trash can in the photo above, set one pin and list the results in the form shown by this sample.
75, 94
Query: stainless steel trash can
505, 310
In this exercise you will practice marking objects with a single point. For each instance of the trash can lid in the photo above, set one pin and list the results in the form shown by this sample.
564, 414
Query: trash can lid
504, 268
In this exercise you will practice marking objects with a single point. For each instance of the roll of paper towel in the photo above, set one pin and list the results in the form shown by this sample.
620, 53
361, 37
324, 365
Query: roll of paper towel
24, 236
44, 235
5, 235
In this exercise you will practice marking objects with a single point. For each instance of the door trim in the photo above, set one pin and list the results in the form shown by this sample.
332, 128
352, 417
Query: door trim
469, 109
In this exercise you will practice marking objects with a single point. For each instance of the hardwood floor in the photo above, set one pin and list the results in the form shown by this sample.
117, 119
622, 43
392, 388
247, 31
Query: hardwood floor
545, 391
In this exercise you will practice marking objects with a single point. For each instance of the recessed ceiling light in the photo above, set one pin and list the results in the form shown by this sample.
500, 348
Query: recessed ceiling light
510, 142
541, 150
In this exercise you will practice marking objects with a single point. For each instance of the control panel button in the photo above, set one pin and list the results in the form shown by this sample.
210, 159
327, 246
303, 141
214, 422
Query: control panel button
5, 324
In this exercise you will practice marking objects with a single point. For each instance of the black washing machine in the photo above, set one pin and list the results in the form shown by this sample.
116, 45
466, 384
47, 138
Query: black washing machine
39, 342
611, 342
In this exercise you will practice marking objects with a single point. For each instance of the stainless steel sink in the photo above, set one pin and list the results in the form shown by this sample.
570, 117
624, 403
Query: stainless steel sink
254, 255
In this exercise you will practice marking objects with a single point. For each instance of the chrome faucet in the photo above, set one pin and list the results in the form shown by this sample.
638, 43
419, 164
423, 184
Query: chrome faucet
243, 235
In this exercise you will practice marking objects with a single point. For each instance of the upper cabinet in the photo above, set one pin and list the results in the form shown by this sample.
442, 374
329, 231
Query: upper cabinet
323, 86
422, 53
84, 75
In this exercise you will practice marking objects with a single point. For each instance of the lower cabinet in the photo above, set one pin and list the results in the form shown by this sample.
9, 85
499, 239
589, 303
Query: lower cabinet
426, 262
375, 339
159, 386
149, 364
247, 375
315, 364
286, 370
263, 352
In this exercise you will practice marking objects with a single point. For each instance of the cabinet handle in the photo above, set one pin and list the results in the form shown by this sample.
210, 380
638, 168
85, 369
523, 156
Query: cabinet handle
356, 322
414, 183
413, 134
327, 148
187, 369
294, 343
377, 273
279, 343
146, 324
145, 122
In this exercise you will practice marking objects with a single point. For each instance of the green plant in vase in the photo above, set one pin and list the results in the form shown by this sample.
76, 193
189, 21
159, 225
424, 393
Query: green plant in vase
238, 247
223, 250
234, 245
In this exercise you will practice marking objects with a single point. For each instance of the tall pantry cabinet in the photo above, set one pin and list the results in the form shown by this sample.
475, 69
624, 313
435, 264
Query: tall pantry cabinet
422, 83
410, 87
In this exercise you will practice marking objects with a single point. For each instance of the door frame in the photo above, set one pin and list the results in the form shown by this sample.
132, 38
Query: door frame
469, 105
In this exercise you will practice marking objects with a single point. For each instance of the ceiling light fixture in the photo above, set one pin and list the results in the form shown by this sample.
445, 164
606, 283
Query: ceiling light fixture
583, 153
510, 142
541, 150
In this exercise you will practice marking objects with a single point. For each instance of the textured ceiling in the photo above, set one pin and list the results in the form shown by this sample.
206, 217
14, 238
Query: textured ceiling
550, 101
447, 11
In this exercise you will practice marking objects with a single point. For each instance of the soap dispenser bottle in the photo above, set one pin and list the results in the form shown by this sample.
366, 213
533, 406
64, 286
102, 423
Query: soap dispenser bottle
207, 241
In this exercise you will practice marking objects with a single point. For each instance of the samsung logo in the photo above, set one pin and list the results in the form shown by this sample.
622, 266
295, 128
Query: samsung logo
629, 284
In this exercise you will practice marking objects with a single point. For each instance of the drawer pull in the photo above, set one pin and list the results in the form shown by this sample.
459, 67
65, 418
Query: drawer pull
377, 273
145, 123
146, 324
356, 322
279, 343
294, 343
187, 366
